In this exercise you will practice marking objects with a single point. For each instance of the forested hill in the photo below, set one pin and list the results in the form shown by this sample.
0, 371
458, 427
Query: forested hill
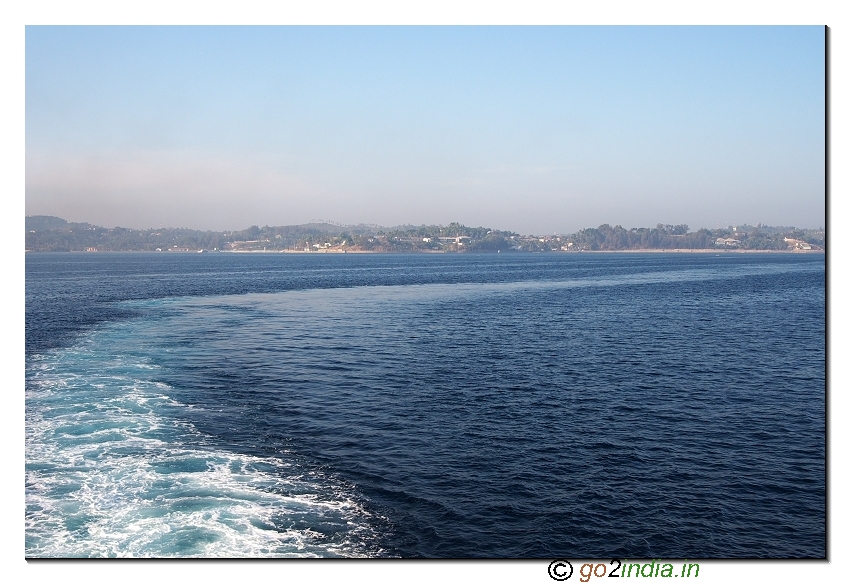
46, 233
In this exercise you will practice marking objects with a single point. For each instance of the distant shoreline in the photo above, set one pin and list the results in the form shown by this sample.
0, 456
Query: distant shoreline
359, 252
47, 233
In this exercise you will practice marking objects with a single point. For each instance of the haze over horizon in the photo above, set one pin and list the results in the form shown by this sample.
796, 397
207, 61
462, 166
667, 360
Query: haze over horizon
529, 129
316, 221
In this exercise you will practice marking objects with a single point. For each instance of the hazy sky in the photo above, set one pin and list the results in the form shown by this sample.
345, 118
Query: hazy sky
532, 129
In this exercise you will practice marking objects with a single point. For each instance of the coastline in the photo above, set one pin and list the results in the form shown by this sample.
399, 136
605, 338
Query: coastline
363, 252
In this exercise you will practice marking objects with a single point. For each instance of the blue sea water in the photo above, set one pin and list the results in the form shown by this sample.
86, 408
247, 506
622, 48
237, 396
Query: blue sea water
513, 405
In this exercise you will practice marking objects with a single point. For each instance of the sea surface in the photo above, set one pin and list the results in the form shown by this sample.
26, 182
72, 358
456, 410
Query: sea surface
511, 405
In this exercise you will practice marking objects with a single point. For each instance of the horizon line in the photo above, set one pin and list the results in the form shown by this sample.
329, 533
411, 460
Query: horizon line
411, 225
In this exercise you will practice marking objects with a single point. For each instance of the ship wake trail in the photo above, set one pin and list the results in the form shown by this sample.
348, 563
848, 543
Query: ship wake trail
112, 471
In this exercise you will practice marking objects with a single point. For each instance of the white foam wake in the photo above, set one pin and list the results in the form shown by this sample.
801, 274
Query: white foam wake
113, 472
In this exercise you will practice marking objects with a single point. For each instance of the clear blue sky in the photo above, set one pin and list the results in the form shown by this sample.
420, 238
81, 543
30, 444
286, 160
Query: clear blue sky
532, 129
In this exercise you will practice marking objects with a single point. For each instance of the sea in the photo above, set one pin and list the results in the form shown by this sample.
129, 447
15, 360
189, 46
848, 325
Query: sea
512, 405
